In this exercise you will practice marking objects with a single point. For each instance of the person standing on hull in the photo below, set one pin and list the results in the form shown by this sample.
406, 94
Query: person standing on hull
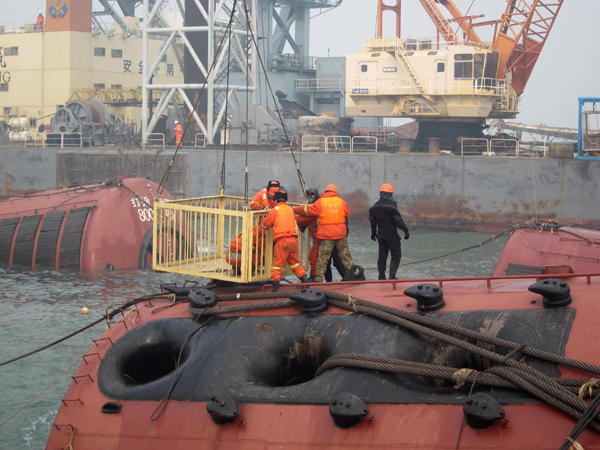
283, 221
310, 222
331, 212
178, 134
264, 198
385, 219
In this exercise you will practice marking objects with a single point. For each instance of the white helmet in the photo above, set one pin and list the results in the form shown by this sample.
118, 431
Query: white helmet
40, 12
176, 122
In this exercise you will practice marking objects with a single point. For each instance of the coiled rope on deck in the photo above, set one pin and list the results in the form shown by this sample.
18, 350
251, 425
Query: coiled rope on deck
508, 373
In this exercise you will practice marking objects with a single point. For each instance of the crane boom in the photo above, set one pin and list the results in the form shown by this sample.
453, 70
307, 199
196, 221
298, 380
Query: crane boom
521, 37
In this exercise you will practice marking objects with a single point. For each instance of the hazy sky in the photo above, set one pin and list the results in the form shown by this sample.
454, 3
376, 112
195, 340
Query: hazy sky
569, 66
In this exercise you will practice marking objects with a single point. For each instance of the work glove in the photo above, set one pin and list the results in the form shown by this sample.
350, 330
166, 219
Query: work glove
406, 235
373, 237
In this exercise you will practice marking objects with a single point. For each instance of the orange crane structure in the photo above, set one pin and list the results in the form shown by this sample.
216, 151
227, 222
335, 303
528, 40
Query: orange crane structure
519, 36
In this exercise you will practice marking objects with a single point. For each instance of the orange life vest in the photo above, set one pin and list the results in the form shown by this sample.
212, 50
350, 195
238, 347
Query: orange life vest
332, 211
285, 222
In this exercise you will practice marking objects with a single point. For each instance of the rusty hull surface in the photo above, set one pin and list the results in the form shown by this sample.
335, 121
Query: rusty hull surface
474, 193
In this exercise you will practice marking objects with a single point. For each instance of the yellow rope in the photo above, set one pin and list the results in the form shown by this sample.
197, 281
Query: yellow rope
588, 388
70, 446
460, 377
352, 302
576, 444
40, 394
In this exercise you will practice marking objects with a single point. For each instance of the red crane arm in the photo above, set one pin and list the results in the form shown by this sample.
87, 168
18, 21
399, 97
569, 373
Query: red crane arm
525, 27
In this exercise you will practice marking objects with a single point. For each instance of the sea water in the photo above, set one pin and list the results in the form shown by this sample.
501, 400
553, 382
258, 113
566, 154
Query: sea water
39, 307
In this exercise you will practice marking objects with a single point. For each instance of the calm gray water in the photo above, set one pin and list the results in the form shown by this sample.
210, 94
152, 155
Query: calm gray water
39, 307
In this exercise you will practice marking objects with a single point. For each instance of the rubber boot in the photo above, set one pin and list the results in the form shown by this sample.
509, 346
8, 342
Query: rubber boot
311, 279
304, 279
382, 275
393, 269
275, 286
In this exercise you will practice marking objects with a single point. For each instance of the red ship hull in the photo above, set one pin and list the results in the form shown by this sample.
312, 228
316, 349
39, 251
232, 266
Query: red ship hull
85, 227
291, 423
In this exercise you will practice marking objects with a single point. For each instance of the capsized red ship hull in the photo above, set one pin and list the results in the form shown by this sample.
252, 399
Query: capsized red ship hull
266, 360
86, 227
550, 249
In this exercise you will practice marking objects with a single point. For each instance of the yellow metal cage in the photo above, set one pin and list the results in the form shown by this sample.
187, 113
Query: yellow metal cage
208, 237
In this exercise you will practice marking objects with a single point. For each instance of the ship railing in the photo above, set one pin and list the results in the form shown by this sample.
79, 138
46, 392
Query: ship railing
474, 146
313, 143
364, 144
216, 237
496, 147
321, 84
338, 144
200, 139
421, 43
507, 147
72, 140
293, 62
63, 140
490, 87
154, 140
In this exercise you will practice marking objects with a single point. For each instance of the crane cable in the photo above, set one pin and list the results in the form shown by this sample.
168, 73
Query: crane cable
165, 177
287, 137
246, 13
223, 137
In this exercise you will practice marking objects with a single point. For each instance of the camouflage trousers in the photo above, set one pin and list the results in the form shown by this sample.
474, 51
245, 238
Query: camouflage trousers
325, 250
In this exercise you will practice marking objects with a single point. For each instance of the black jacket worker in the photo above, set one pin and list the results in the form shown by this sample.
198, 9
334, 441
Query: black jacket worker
385, 219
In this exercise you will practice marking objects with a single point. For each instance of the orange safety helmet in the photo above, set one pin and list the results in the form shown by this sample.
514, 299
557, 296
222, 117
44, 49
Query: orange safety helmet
331, 188
387, 188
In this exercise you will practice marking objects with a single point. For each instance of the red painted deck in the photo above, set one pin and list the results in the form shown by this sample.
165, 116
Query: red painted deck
187, 425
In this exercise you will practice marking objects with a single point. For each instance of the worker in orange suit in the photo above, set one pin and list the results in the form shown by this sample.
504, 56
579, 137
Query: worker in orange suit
40, 22
264, 198
234, 255
332, 214
283, 221
178, 134
310, 223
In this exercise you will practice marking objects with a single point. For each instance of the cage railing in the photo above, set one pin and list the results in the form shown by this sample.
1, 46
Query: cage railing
215, 237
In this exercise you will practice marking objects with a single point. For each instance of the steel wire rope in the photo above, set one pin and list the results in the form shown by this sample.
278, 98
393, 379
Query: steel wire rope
466, 14
165, 177
412, 317
223, 137
303, 187
384, 364
106, 316
568, 403
247, 16
466, 332
554, 392
162, 405
41, 393
583, 422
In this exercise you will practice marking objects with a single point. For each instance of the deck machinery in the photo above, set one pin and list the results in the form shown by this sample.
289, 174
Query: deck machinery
453, 82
